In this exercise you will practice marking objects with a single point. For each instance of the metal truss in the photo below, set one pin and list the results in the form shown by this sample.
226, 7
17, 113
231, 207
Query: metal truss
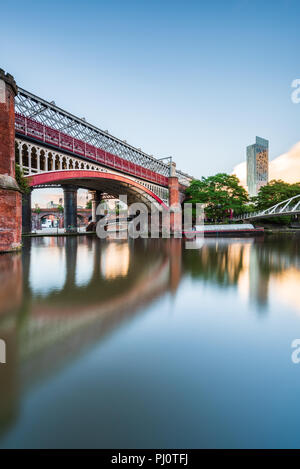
49, 114
287, 207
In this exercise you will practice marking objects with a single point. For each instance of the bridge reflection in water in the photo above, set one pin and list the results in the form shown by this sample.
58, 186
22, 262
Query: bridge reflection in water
63, 295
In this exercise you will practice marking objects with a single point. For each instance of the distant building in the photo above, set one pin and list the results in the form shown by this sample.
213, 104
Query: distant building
257, 165
51, 204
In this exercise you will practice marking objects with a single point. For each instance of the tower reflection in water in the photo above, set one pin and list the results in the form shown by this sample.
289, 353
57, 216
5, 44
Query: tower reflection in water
61, 295
251, 265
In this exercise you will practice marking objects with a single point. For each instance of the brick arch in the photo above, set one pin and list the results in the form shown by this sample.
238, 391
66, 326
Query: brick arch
46, 214
83, 217
69, 176
38, 217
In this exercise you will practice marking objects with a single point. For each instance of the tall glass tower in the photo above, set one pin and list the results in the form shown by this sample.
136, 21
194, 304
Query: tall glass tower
257, 165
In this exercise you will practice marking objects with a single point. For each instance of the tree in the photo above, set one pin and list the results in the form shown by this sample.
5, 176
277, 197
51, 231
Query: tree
88, 205
60, 208
220, 193
275, 192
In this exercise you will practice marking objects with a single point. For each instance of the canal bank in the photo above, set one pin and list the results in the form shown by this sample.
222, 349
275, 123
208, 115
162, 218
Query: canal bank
270, 228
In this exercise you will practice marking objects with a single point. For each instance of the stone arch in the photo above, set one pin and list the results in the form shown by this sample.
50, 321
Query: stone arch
34, 158
50, 162
42, 160
25, 155
52, 215
57, 163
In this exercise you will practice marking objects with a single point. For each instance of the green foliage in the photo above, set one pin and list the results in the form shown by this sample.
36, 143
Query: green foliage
89, 205
37, 210
60, 208
282, 221
21, 180
249, 208
220, 193
274, 192
117, 208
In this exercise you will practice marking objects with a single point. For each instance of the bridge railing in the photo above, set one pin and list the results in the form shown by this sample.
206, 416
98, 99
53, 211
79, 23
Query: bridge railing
286, 207
38, 131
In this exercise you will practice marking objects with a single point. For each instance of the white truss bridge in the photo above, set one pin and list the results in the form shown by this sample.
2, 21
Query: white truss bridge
287, 207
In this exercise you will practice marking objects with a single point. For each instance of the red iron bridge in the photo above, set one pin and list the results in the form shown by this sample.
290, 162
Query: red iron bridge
35, 130
56, 148
43, 122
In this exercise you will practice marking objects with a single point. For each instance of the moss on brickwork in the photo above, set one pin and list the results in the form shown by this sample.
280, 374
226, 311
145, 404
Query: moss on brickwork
21, 180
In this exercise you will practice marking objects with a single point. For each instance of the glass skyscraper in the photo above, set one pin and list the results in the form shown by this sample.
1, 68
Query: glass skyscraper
257, 165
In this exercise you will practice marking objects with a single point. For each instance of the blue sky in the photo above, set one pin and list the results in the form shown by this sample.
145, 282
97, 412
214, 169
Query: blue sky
197, 80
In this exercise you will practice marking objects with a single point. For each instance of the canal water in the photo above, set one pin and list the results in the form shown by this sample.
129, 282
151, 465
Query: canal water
143, 343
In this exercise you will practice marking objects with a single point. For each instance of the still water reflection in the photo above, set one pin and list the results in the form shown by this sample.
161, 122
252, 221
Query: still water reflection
145, 344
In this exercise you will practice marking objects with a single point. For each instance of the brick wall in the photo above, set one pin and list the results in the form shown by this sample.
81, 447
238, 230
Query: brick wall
10, 220
10, 200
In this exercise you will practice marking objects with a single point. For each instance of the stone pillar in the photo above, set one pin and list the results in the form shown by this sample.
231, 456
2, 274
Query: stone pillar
70, 208
38, 162
10, 196
93, 210
20, 155
174, 202
29, 159
26, 212
96, 199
